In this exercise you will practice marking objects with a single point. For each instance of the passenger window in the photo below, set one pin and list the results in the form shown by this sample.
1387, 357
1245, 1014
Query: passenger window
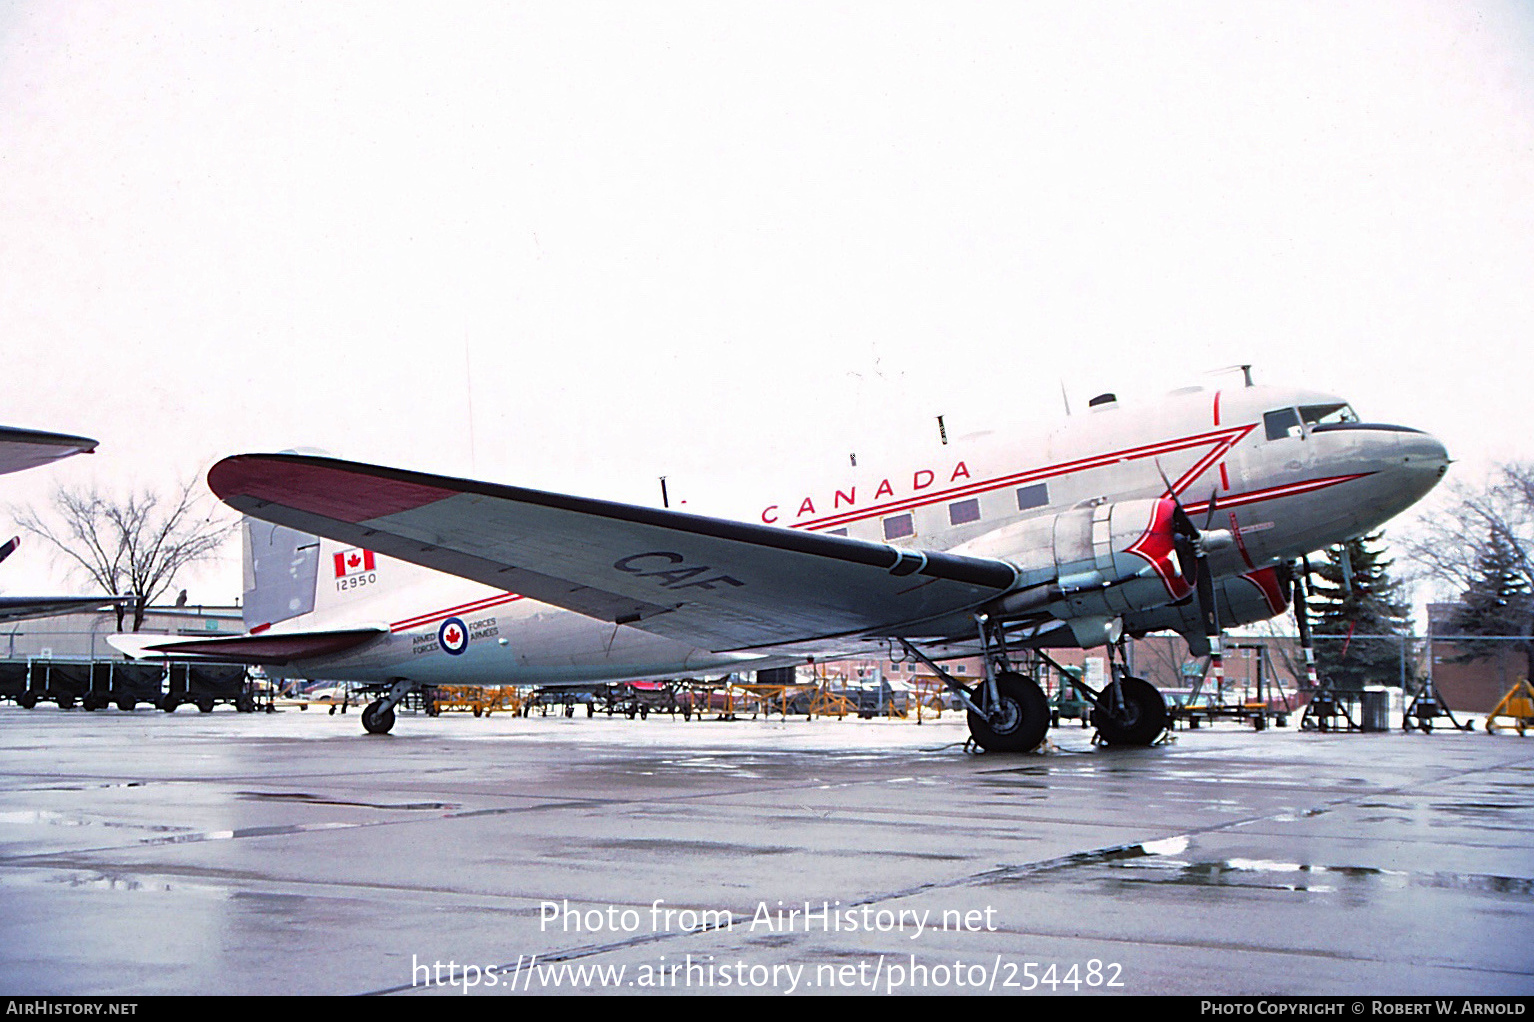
1283, 423
964, 511
1029, 497
898, 527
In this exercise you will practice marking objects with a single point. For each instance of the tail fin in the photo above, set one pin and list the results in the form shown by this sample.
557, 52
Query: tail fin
281, 572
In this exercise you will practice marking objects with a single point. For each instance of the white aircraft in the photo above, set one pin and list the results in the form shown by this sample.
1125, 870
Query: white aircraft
21, 449
1180, 516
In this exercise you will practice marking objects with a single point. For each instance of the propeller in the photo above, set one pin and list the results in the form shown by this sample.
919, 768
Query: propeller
9, 547
1193, 546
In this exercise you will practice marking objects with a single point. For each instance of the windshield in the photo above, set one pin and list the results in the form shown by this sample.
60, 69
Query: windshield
1324, 415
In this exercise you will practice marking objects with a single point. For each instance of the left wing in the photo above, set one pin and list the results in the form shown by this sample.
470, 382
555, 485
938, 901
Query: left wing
718, 584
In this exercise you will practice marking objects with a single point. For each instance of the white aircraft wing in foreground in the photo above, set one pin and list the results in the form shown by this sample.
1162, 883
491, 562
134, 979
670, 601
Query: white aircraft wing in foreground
28, 448
722, 585
22, 449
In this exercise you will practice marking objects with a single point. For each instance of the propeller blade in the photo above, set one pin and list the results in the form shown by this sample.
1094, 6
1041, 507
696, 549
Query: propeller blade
10, 547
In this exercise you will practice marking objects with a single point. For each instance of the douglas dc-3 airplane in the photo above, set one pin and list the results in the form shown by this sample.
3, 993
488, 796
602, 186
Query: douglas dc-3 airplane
1180, 516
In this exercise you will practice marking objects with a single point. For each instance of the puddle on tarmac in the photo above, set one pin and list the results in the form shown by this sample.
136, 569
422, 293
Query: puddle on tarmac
305, 797
1158, 862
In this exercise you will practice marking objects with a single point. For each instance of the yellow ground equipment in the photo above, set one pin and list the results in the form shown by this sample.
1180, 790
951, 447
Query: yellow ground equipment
1517, 705
477, 699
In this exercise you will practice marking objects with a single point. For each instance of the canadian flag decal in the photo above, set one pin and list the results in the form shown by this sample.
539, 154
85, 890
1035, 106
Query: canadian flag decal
353, 562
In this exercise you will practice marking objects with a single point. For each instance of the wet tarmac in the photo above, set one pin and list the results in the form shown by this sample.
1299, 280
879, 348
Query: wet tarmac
146, 853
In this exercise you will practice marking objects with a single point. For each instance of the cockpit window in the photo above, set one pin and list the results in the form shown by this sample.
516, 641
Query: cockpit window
1285, 422
1323, 415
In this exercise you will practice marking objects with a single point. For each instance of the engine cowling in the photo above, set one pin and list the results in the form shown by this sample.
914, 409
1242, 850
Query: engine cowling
1254, 596
1100, 560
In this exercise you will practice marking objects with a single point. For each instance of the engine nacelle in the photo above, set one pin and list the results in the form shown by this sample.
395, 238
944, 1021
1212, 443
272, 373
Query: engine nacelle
1103, 560
1255, 596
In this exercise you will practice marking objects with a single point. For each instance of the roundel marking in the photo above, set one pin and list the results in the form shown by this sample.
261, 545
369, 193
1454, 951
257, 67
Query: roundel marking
452, 636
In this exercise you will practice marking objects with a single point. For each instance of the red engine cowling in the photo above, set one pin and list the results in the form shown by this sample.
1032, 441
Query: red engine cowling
1099, 560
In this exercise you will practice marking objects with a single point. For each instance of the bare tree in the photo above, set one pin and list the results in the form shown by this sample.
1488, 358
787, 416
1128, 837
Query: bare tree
1450, 546
1482, 550
134, 546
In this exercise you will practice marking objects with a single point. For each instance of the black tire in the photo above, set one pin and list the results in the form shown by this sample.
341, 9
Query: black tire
204, 705
1023, 721
1144, 717
376, 723
126, 703
169, 704
66, 702
26, 700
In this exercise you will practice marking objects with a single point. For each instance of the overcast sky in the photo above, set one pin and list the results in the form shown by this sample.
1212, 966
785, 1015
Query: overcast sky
578, 246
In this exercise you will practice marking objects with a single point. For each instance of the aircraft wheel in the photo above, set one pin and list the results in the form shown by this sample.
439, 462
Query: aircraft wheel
126, 703
1143, 719
204, 705
26, 700
169, 704
1023, 719
375, 722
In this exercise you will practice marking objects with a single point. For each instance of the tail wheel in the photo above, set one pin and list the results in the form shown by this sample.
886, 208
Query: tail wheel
377, 721
1142, 719
1018, 723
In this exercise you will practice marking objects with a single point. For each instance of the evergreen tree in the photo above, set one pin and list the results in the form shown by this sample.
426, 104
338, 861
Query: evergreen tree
1497, 601
1342, 615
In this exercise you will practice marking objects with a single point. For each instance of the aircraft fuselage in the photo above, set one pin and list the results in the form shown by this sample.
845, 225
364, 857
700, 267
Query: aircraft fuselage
1289, 472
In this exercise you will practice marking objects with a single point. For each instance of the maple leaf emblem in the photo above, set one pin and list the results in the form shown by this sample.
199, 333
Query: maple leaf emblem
452, 636
353, 561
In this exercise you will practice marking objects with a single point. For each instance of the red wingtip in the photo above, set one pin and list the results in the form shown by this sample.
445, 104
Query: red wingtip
347, 493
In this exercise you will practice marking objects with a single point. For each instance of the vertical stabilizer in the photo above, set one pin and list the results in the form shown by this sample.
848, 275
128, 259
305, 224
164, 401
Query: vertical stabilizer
281, 569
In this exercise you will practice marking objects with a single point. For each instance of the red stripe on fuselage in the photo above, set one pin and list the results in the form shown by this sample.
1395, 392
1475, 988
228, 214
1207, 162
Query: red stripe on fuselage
1223, 440
463, 608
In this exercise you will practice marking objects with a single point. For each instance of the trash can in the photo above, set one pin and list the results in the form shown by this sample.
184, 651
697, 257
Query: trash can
1376, 710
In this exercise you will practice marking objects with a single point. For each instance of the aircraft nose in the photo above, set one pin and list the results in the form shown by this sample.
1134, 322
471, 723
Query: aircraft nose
1424, 456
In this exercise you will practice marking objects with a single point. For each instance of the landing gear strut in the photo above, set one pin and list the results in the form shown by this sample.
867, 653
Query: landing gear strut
1128, 710
1008, 711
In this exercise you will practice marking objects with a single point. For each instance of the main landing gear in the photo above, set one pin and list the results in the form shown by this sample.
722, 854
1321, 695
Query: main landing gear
1008, 711
1137, 715
1128, 710
1017, 721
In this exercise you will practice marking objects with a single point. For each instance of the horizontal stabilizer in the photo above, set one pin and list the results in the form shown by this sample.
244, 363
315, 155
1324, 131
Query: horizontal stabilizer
267, 648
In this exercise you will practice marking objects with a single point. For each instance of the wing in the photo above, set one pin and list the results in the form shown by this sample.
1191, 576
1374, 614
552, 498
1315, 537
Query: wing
27, 448
16, 608
717, 584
